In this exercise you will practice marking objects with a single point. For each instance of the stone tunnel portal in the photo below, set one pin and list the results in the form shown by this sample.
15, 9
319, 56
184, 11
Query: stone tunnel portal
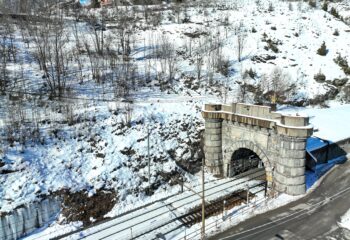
236, 134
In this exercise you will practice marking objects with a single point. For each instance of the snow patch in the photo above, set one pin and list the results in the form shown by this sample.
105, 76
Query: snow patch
345, 220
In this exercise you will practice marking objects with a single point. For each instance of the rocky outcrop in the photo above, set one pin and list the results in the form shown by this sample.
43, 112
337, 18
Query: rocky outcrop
331, 94
339, 82
79, 206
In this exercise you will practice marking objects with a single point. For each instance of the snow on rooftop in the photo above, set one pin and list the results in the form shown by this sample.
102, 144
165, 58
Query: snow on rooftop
331, 124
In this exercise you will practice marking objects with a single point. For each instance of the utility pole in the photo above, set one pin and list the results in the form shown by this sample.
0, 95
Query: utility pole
149, 159
247, 194
224, 211
203, 203
182, 184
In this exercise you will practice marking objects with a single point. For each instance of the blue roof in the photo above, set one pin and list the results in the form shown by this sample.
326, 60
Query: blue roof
313, 143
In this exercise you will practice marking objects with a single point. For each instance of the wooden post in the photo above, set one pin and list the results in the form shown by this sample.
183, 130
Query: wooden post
247, 194
203, 203
149, 160
223, 211
182, 185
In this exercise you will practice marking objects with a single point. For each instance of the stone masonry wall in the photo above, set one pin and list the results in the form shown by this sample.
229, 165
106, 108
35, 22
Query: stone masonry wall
290, 166
213, 145
260, 140
278, 140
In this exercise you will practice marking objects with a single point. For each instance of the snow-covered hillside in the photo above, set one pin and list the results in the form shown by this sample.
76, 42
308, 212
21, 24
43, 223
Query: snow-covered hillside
102, 151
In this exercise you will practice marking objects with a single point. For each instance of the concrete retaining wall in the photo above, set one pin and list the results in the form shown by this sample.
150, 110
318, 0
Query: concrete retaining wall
26, 219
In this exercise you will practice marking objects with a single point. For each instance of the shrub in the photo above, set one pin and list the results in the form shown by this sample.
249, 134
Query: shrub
325, 6
224, 67
336, 32
290, 6
322, 50
96, 4
312, 3
272, 45
264, 36
343, 63
253, 30
334, 12
320, 77
251, 73
271, 7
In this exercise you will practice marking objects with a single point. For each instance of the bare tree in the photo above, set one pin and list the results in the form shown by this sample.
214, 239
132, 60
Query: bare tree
199, 65
278, 84
7, 51
243, 89
167, 56
241, 40
97, 32
4, 62
52, 52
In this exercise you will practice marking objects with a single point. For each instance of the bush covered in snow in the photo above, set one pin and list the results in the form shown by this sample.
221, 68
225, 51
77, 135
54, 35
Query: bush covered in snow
322, 50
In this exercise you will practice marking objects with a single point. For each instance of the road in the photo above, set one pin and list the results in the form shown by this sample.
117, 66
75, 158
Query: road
312, 217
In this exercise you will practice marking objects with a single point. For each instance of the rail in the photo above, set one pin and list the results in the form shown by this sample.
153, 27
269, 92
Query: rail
257, 173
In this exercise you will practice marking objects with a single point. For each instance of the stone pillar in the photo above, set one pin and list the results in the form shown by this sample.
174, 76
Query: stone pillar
290, 166
213, 145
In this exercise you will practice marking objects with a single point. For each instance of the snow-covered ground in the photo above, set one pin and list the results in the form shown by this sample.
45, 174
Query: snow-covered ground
345, 220
160, 216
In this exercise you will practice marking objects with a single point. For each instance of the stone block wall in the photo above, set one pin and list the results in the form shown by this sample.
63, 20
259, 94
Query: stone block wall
290, 166
281, 147
213, 145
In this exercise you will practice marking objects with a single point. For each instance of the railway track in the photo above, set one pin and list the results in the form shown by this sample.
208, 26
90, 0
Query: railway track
145, 222
215, 208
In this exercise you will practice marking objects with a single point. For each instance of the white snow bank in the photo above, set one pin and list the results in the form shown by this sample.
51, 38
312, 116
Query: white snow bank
329, 123
54, 230
345, 220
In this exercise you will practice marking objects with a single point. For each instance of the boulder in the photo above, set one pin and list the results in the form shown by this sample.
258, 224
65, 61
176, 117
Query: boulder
340, 82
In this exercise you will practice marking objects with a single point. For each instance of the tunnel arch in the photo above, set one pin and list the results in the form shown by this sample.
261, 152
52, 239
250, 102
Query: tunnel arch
229, 152
242, 160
